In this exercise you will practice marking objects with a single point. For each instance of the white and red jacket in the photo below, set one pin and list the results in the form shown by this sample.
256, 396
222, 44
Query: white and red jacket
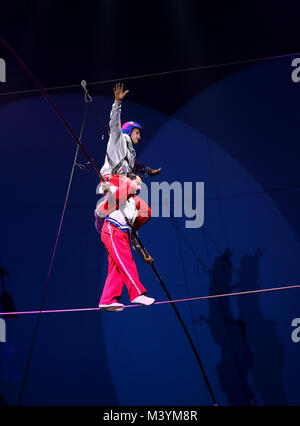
122, 202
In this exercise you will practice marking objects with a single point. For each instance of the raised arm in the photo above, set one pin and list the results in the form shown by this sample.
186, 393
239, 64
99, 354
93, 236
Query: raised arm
115, 116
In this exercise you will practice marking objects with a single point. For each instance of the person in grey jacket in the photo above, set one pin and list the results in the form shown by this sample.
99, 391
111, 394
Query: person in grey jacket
121, 165
120, 153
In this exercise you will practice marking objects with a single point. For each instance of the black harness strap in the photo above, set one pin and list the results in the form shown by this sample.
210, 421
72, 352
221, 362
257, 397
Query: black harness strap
116, 167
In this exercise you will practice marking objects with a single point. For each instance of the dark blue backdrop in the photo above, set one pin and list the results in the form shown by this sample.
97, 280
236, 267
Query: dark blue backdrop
240, 137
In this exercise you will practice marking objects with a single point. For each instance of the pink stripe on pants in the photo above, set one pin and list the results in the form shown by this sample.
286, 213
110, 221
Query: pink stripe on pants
121, 266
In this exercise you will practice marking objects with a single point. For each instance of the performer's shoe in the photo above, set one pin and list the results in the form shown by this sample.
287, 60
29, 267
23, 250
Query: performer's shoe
112, 307
143, 300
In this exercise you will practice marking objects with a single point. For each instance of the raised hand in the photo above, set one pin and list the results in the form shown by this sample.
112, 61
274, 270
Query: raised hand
119, 92
148, 259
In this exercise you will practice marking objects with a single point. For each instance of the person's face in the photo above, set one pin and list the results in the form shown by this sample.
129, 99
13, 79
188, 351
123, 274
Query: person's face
138, 181
135, 135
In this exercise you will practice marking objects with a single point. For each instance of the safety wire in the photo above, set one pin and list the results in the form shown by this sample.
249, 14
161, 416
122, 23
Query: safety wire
81, 167
162, 302
157, 74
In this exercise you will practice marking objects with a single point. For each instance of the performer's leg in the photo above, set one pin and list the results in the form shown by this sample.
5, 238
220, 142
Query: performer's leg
119, 248
113, 286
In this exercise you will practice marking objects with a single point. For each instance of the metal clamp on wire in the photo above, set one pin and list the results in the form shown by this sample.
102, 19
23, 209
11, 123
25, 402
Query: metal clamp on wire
80, 166
87, 96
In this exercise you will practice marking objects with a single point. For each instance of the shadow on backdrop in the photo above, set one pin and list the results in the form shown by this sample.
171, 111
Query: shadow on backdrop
261, 335
227, 332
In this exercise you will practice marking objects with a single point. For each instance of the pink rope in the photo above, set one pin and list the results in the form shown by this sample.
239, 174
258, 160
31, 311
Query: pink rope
214, 296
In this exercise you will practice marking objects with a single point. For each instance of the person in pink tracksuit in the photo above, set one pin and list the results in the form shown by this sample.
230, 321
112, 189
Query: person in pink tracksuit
120, 202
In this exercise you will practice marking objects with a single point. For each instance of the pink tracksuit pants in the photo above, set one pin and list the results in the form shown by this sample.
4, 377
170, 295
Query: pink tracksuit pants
121, 266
